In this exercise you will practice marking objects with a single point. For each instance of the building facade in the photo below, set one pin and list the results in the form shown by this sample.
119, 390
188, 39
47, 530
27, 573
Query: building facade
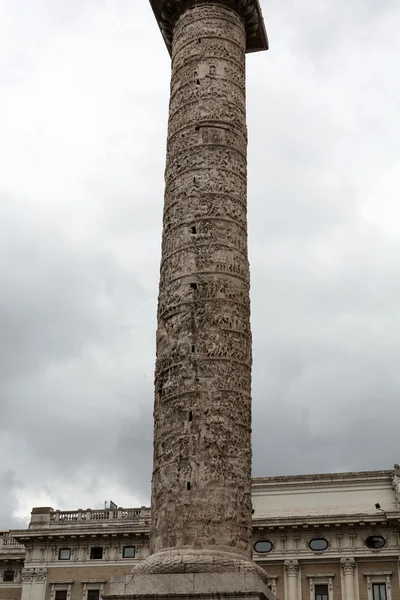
12, 558
319, 537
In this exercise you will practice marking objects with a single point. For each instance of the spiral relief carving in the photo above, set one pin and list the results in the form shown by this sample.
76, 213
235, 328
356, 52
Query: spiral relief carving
168, 12
201, 496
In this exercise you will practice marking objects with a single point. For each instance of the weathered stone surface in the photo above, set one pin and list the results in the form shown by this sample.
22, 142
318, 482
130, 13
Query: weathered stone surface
167, 13
201, 494
244, 585
199, 561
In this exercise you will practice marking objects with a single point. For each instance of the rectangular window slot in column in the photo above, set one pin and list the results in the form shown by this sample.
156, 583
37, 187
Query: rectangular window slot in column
190, 416
197, 128
193, 348
193, 229
188, 486
193, 286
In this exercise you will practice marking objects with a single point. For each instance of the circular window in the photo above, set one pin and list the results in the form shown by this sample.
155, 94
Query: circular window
318, 544
375, 542
263, 546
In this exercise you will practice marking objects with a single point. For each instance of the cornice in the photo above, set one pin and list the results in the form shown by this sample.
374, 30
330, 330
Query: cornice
80, 533
167, 12
324, 479
329, 520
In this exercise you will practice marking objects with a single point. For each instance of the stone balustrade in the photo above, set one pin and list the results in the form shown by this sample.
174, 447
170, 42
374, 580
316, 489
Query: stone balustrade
6, 540
131, 514
47, 517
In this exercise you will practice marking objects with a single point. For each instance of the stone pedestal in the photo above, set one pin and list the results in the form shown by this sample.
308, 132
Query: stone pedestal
204, 586
190, 573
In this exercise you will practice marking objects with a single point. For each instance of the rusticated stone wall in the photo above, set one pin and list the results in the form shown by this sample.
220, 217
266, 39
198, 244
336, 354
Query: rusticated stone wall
201, 495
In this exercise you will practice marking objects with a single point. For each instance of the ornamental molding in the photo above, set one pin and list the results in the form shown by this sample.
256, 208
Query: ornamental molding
29, 574
292, 567
40, 574
379, 577
348, 565
353, 480
167, 12
377, 573
321, 578
348, 520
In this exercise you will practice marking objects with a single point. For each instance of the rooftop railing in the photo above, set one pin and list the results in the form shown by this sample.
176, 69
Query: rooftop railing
7, 540
127, 514
47, 517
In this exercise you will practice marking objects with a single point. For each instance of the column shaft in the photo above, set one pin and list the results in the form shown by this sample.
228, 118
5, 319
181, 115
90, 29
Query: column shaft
349, 568
292, 570
201, 494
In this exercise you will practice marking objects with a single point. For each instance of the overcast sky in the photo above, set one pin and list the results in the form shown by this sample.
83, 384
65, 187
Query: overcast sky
84, 90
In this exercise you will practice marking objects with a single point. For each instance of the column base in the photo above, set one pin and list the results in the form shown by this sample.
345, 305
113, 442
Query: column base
181, 586
192, 574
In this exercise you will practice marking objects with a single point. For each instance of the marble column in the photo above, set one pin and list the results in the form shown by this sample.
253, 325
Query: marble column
201, 513
349, 568
292, 568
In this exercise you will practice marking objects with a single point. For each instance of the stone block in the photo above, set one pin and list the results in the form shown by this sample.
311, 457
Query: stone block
229, 586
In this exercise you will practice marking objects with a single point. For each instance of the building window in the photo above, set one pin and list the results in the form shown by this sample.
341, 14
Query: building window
128, 552
8, 576
93, 594
375, 542
96, 553
318, 544
321, 592
263, 546
61, 595
379, 591
64, 554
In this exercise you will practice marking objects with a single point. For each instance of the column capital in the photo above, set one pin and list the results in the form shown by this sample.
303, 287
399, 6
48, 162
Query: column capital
168, 11
27, 574
292, 567
348, 565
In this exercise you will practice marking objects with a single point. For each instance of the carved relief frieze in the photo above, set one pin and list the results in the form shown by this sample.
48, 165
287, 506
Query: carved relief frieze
216, 157
192, 209
228, 28
204, 260
206, 133
210, 87
206, 109
205, 182
191, 51
202, 409
219, 233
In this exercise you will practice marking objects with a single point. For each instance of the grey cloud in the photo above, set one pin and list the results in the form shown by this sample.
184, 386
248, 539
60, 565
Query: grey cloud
8, 487
82, 157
